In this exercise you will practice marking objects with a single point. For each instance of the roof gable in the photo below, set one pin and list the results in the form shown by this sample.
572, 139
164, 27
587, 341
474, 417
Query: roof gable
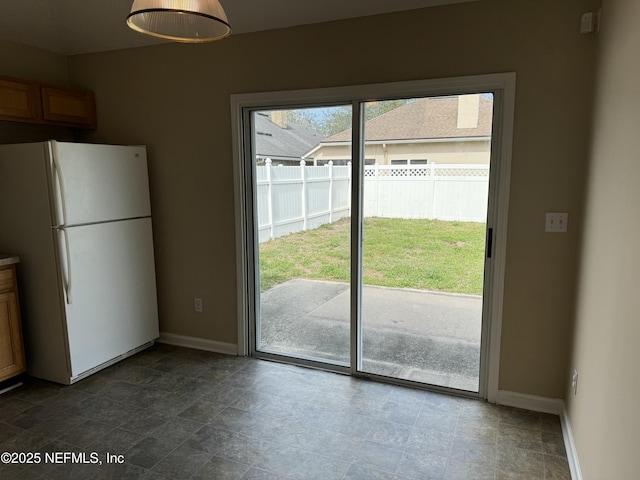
423, 118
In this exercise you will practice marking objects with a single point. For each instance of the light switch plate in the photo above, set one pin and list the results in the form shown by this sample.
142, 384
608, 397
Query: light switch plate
556, 222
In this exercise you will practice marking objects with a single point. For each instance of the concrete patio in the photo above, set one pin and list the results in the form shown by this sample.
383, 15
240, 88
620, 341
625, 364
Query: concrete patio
417, 335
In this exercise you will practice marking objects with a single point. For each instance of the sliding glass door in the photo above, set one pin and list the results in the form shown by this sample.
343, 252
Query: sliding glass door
303, 207
369, 235
424, 211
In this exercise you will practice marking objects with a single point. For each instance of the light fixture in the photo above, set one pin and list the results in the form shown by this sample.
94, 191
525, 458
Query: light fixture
188, 21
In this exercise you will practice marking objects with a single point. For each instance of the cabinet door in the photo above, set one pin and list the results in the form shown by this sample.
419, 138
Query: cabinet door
68, 106
11, 349
19, 100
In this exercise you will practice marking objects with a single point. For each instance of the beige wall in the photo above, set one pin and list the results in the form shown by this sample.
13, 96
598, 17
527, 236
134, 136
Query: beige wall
175, 99
604, 413
32, 63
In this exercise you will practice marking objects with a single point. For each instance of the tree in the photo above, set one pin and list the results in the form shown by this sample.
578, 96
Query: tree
337, 119
304, 118
375, 109
332, 120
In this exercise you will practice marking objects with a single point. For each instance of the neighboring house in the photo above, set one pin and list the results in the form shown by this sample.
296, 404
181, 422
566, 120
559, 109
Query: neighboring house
453, 129
284, 143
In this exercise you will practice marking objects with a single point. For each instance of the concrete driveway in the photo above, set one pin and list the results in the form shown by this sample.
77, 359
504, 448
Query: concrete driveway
428, 337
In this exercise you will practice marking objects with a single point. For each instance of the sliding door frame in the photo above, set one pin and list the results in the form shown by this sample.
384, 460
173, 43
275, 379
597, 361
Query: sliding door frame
502, 85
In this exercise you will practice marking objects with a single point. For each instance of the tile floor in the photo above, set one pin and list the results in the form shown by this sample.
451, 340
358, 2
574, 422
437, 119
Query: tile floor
177, 413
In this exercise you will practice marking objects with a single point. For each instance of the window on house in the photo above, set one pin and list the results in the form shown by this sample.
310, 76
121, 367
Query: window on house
410, 162
322, 163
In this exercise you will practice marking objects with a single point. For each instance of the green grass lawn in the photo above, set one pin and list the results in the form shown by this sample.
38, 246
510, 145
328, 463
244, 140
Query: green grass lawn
421, 254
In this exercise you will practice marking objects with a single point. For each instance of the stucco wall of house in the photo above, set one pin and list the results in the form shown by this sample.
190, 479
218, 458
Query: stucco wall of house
463, 152
438, 152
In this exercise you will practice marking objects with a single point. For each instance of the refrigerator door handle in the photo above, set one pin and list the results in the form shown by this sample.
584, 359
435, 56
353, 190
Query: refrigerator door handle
66, 277
60, 179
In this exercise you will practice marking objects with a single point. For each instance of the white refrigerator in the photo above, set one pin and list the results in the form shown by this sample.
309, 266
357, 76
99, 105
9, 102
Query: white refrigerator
79, 217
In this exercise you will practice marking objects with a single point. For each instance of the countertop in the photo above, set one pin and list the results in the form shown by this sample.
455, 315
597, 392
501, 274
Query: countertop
8, 259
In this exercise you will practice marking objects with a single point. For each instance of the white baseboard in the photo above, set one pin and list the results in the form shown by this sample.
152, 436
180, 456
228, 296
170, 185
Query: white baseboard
570, 446
554, 406
530, 402
198, 343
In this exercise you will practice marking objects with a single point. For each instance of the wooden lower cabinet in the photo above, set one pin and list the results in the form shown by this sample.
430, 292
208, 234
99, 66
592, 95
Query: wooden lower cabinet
11, 345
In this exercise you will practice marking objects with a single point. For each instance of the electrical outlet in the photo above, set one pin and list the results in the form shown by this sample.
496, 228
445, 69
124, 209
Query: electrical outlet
197, 304
588, 22
574, 382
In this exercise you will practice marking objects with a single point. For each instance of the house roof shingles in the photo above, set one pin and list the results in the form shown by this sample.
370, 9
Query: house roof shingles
290, 142
423, 118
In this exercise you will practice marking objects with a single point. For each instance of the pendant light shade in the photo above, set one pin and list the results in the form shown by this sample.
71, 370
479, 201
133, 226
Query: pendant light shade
189, 21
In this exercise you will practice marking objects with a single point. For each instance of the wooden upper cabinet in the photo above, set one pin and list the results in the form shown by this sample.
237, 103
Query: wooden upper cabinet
69, 106
33, 102
19, 100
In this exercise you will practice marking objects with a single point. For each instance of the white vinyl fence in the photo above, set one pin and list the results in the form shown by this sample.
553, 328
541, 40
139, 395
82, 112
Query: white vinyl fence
291, 199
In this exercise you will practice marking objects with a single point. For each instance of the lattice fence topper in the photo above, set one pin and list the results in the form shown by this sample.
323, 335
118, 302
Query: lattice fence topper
405, 172
426, 171
462, 172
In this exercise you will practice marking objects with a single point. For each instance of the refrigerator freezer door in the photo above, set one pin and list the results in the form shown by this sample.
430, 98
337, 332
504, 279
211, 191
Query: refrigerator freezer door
112, 285
98, 183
